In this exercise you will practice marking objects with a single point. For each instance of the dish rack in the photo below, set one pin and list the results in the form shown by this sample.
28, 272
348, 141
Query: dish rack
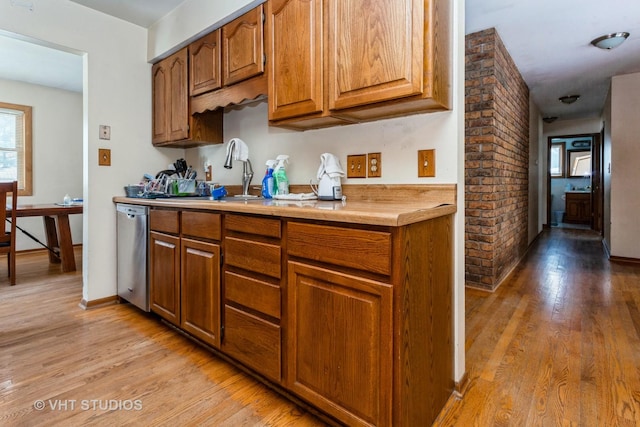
162, 187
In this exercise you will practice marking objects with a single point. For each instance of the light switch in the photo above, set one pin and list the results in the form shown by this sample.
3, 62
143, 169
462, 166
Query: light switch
104, 157
426, 163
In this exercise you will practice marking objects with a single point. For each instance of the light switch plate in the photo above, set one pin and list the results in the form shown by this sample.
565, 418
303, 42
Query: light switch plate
426, 163
105, 132
357, 166
104, 157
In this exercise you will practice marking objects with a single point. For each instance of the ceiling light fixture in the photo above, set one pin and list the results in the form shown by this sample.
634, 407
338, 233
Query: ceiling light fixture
569, 99
609, 41
549, 119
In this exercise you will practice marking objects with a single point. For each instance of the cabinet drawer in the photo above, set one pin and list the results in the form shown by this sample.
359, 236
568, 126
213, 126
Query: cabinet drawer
201, 224
360, 249
267, 227
252, 341
165, 221
259, 257
251, 293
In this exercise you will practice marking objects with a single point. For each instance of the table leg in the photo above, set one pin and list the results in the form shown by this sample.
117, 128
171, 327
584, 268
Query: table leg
52, 238
66, 244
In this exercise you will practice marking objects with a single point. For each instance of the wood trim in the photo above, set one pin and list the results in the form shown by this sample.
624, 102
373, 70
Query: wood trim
248, 91
461, 386
443, 193
86, 305
624, 260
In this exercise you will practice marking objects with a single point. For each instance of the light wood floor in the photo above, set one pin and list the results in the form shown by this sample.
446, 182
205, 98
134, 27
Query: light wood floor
113, 366
558, 344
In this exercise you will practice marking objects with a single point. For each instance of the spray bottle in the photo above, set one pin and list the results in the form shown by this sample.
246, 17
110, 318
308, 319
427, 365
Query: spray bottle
280, 175
267, 181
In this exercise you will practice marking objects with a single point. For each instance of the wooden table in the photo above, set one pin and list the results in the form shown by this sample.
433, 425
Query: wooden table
58, 239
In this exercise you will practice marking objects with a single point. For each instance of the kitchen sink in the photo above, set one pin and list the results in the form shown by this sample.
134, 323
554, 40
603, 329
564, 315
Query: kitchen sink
231, 199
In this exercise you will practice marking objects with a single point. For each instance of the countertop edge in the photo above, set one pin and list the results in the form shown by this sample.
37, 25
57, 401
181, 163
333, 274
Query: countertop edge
394, 214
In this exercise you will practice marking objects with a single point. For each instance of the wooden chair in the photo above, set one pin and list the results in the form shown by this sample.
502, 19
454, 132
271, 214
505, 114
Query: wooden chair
8, 238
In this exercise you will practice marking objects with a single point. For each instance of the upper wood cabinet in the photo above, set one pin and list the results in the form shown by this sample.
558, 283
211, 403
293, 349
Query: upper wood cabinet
340, 61
240, 62
375, 50
243, 47
170, 99
173, 123
205, 70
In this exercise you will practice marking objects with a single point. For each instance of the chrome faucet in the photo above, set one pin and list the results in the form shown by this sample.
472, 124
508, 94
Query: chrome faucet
247, 170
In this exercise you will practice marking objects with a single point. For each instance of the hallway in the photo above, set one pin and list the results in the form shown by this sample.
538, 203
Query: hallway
557, 344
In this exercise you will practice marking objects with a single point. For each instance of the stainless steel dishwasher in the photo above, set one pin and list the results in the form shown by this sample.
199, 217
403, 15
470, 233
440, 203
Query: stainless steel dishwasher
132, 236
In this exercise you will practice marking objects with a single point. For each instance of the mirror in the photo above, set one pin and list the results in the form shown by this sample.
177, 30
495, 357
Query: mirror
579, 163
556, 160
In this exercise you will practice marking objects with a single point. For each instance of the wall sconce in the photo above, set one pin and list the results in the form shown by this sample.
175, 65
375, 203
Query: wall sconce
569, 99
549, 119
609, 41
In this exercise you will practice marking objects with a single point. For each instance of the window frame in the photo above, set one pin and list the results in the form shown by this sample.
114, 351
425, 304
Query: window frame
25, 188
561, 160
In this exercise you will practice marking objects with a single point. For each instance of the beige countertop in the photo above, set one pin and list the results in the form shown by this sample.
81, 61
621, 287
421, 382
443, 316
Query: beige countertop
386, 213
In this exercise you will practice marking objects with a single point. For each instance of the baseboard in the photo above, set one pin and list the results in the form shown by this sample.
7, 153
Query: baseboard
624, 260
38, 250
460, 387
87, 305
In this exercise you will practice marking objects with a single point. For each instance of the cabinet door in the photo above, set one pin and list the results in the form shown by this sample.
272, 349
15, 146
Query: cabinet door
201, 290
295, 80
160, 101
243, 47
339, 344
178, 107
376, 50
164, 276
205, 70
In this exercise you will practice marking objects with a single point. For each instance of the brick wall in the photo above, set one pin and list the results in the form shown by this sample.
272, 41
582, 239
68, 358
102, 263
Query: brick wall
496, 161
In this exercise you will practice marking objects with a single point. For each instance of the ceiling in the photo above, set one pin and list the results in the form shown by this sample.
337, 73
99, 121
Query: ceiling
547, 39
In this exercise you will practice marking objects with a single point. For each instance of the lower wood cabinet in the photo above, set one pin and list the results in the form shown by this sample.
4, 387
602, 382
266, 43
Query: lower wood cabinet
164, 276
200, 285
356, 320
185, 271
340, 344
578, 209
252, 293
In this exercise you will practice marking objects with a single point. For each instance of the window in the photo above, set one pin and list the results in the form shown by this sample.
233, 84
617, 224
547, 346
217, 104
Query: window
556, 160
15, 146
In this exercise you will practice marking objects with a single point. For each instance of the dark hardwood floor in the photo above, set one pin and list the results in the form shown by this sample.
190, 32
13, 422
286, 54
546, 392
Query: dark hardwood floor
557, 344
114, 365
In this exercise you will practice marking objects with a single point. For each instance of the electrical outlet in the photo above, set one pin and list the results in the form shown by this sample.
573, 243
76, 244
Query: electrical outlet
374, 165
426, 163
357, 166
104, 157
105, 132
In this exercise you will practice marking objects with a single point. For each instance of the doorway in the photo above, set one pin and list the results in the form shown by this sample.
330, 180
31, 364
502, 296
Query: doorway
574, 187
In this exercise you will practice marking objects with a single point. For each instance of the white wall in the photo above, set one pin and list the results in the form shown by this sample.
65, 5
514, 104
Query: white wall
117, 92
191, 19
625, 169
57, 152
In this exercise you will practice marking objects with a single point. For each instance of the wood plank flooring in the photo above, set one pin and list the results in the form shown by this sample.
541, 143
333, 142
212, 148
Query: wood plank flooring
114, 365
558, 344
